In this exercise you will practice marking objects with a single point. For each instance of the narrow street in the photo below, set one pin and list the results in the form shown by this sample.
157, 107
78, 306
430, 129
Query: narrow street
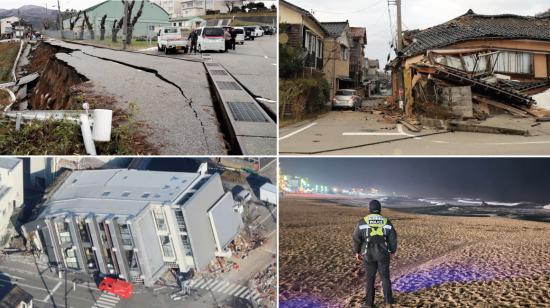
360, 133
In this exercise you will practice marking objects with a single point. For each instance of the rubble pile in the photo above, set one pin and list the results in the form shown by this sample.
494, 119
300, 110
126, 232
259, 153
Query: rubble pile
265, 283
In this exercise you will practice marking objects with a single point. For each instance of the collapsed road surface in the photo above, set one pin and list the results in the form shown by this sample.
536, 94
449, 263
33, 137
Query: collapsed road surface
173, 97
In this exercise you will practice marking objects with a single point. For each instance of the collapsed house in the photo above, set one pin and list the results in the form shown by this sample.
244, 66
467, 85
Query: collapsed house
135, 224
475, 65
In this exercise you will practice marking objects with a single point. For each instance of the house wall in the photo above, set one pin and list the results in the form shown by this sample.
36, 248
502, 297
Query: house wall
6, 23
540, 63
539, 48
290, 16
335, 66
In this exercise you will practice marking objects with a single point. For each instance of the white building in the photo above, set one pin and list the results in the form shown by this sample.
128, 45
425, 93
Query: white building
5, 24
40, 172
136, 224
193, 8
11, 194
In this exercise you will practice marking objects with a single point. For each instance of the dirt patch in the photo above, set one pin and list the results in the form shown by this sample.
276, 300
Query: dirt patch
8, 53
61, 88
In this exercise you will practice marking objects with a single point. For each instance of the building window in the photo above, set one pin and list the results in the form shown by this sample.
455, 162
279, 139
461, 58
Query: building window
70, 258
160, 220
126, 235
90, 258
514, 62
344, 52
167, 249
64, 234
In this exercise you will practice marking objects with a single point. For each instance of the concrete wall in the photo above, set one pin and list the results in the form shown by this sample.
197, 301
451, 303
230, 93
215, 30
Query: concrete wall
335, 65
198, 225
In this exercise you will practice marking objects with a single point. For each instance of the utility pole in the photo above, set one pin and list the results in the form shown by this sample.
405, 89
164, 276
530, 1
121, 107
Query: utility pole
125, 26
399, 47
399, 26
60, 20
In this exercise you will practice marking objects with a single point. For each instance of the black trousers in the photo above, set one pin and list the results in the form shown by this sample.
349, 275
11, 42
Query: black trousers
382, 267
232, 43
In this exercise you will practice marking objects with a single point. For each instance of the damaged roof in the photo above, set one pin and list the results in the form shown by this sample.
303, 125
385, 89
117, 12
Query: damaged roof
335, 28
472, 26
359, 32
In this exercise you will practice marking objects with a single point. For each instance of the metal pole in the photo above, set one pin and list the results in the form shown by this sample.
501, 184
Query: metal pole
125, 26
60, 20
399, 27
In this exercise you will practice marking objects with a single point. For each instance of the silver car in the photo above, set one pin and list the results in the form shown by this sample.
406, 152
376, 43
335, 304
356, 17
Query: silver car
346, 98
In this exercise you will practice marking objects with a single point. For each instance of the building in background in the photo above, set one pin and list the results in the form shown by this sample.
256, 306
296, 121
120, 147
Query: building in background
337, 51
6, 26
135, 224
357, 56
152, 17
11, 195
179, 9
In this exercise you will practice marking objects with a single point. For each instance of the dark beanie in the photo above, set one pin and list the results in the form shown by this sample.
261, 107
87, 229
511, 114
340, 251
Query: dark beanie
375, 206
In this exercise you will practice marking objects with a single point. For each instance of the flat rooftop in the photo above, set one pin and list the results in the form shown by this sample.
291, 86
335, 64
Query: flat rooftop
117, 191
8, 162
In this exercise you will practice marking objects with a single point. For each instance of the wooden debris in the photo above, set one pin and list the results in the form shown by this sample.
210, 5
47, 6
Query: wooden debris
512, 110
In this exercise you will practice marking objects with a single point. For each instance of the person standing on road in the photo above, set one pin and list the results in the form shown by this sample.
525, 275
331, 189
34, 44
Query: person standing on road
374, 241
193, 38
233, 33
227, 37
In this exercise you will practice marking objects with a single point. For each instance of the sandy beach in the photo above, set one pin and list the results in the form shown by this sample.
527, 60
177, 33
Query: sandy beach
441, 261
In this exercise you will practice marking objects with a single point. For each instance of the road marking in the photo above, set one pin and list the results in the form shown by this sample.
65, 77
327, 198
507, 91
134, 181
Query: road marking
400, 132
241, 291
228, 286
53, 291
298, 131
13, 276
245, 294
232, 289
106, 300
219, 284
200, 284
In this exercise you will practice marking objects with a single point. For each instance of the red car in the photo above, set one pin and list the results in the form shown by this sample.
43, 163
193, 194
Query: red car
116, 286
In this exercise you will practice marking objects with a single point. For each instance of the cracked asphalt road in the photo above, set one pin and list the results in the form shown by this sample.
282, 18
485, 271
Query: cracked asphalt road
172, 95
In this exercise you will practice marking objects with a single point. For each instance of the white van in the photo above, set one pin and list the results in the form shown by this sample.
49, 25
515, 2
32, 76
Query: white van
258, 31
239, 39
210, 38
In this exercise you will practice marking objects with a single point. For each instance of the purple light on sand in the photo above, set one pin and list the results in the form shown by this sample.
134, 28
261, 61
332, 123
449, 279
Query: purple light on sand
427, 278
303, 302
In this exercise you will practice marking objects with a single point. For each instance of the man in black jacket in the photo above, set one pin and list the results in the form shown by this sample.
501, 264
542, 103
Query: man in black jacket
374, 240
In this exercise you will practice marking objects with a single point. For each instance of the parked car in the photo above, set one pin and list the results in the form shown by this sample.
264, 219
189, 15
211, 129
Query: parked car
249, 33
268, 30
116, 286
346, 98
172, 39
210, 38
240, 35
258, 31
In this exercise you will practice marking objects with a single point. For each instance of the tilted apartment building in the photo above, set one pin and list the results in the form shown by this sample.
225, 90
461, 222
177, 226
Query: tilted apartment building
135, 224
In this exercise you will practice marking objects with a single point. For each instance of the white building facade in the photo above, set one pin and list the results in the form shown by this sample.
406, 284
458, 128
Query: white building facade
11, 194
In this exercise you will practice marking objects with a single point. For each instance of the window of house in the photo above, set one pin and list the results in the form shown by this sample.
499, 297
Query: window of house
344, 52
514, 62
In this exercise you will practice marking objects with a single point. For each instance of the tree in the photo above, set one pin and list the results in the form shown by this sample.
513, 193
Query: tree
116, 27
134, 20
81, 34
89, 25
273, 7
102, 27
230, 5
71, 21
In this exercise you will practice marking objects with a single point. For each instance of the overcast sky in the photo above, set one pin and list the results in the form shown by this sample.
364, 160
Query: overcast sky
491, 179
417, 14
74, 4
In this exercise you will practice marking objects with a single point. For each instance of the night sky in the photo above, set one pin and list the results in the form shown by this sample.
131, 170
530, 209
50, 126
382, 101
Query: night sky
495, 179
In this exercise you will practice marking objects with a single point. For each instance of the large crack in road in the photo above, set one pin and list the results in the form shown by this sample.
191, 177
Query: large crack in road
173, 131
